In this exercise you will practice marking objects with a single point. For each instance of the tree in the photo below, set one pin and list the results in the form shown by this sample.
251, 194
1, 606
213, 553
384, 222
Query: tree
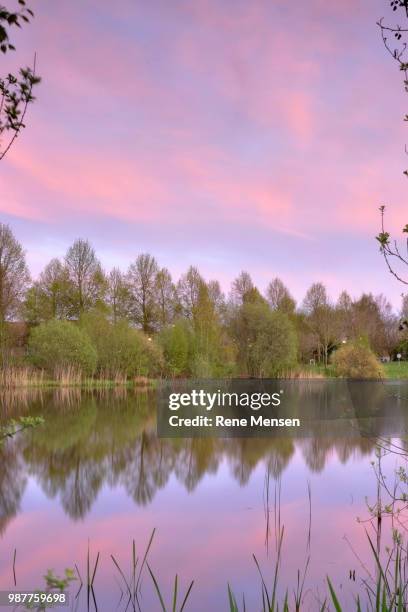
217, 297
240, 286
188, 290
121, 349
16, 92
86, 276
207, 334
367, 322
321, 319
344, 309
266, 340
165, 295
48, 298
404, 312
118, 295
175, 341
389, 325
141, 279
14, 275
279, 297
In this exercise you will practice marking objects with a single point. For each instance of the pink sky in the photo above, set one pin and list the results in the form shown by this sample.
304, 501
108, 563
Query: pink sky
226, 134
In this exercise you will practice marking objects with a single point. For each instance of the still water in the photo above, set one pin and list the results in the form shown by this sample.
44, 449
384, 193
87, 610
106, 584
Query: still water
97, 472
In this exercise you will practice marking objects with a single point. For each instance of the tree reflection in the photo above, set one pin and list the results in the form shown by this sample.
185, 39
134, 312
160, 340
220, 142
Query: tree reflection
12, 482
91, 440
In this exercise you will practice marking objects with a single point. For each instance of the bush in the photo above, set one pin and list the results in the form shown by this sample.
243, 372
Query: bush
176, 341
121, 349
56, 345
274, 348
356, 361
266, 339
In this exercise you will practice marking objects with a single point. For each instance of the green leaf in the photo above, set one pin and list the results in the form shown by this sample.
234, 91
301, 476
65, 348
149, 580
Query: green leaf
383, 238
333, 596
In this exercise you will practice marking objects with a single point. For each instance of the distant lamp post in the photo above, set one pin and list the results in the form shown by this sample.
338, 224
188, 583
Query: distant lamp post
399, 358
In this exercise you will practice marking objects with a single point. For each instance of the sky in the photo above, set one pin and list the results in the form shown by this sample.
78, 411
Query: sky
225, 134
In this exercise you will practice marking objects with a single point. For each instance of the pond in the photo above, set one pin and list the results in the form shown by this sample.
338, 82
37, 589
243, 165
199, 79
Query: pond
97, 473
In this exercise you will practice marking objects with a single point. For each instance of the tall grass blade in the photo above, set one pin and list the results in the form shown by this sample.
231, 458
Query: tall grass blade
187, 595
157, 588
175, 594
14, 567
333, 596
124, 580
232, 601
143, 564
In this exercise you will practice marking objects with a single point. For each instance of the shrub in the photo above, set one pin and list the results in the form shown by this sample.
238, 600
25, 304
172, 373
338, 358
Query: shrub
266, 339
121, 348
274, 348
355, 360
175, 341
56, 345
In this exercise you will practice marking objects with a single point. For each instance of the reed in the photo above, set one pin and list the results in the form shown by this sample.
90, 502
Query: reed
14, 376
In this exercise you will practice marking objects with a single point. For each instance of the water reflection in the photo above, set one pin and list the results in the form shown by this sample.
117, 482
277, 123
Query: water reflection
13, 481
95, 438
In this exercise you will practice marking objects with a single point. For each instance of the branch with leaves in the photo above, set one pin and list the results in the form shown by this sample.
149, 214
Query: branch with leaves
395, 39
16, 92
390, 249
8, 19
13, 427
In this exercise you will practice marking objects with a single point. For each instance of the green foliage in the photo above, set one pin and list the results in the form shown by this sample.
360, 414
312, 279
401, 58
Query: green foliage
14, 426
5, 344
16, 92
9, 19
87, 279
396, 369
53, 584
121, 348
176, 341
51, 296
58, 344
356, 360
266, 340
201, 367
206, 348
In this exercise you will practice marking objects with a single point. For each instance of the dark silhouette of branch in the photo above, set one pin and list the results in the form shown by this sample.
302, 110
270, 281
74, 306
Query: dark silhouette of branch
390, 249
16, 92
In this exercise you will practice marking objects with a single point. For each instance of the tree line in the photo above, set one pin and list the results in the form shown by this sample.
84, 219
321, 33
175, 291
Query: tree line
142, 320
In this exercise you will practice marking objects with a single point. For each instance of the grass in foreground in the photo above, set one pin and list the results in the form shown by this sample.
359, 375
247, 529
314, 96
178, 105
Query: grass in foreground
396, 369
387, 594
